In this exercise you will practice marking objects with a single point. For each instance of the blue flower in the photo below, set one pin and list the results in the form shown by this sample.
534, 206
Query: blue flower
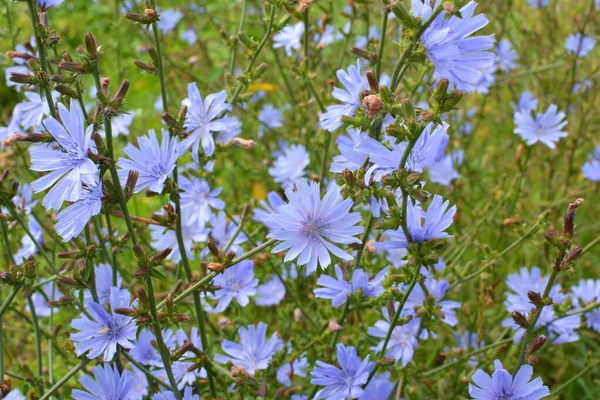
68, 161
108, 384
46, 4
107, 330
187, 395
588, 292
544, 128
197, 199
437, 290
15, 394
144, 352
468, 341
290, 369
344, 382
337, 290
422, 228
28, 246
270, 293
104, 283
403, 340
40, 301
190, 36
236, 282
32, 111
527, 103
591, 169
155, 162
502, 386
289, 167
538, 3
444, 172
309, 225
428, 150
353, 83
579, 44
506, 56
72, 220
269, 207
351, 157
253, 352
455, 54
140, 385
560, 330
169, 20
379, 388
203, 118
290, 38
269, 118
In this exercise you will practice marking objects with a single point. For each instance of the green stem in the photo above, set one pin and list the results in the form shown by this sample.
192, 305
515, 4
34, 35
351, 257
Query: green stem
262, 43
306, 41
196, 294
65, 378
146, 371
384, 22
562, 387
13, 292
38, 337
89, 264
235, 42
42, 56
9, 252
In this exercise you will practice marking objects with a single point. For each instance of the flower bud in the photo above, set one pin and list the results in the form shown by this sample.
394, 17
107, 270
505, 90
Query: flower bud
372, 79
160, 257
122, 91
573, 255
535, 298
364, 54
153, 55
91, 45
23, 79
569, 220
404, 16
130, 184
139, 253
74, 67
536, 345
65, 91
520, 319
148, 68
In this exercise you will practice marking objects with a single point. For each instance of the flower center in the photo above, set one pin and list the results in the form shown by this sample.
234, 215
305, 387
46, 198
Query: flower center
313, 228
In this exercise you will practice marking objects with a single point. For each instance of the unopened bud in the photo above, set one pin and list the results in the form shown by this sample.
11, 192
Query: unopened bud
130, 312
74, 67
122, 91
535, 298
569, 220
153, 55
520, 319
91, 45
23, 79
403, 15
148, 68
298, 315
160, 257
362, 53
150, 13
573, 255
131, 182
65, 91
372, 79
519, 154
536, 345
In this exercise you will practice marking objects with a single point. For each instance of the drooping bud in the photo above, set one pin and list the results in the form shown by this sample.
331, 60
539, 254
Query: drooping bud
148, 68
130, 184
246, 144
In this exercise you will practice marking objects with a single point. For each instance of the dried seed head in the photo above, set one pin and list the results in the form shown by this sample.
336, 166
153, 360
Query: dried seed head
373, 105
